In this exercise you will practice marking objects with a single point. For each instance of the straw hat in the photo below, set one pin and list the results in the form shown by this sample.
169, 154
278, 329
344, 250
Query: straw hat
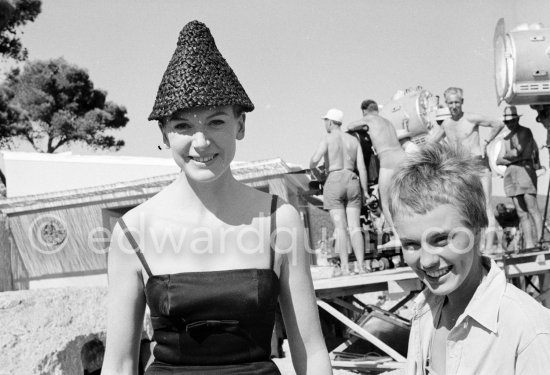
197, 76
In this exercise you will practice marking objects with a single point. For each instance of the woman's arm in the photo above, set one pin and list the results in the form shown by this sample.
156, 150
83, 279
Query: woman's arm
125, 308
297, 297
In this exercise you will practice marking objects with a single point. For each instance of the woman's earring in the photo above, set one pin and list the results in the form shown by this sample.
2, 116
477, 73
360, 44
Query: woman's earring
165, 147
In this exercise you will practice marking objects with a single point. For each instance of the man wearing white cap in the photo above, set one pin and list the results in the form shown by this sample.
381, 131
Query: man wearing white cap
520, 178
342, 196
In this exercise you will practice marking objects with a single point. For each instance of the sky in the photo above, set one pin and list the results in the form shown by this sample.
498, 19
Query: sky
295, 59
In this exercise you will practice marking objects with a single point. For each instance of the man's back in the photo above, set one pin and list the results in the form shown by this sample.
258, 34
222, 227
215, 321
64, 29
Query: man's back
341, 151
463, 132
382, 133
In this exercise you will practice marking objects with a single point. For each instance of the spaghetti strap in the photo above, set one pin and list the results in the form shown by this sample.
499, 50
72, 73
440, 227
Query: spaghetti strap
272, 231
135, 246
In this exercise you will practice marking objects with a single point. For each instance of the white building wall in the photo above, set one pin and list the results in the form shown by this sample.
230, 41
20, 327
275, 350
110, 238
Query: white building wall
37, 173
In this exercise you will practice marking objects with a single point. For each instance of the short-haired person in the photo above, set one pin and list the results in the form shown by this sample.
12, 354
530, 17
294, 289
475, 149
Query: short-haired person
388, 149
369, 106
209, 255
343, 190
520, 177
468, 319
462, 128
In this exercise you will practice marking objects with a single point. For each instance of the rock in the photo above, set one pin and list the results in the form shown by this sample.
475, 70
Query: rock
42, 331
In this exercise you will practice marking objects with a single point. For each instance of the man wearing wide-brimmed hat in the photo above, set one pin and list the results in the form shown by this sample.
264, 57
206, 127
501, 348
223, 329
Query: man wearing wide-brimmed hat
520, 178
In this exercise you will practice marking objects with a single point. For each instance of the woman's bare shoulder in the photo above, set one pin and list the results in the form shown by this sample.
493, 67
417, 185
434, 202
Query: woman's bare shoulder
147, 208
288, 219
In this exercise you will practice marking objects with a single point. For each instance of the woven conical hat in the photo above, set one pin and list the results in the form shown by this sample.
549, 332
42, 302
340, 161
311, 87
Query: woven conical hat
197, 76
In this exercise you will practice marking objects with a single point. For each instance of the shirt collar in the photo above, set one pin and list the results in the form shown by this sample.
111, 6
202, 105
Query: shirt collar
427, 301
485, 304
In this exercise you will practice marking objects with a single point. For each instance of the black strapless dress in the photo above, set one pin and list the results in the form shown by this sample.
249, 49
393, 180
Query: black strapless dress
215, 322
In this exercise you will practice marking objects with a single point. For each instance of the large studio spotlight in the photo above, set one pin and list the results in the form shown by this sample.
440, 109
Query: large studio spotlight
522, 64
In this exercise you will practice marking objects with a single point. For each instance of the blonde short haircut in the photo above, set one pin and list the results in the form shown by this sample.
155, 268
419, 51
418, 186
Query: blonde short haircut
435, 175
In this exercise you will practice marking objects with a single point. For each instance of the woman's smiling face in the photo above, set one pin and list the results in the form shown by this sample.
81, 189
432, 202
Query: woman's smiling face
203, 140
439, 248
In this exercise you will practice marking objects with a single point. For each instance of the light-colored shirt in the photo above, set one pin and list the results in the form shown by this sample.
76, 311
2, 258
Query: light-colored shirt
502, 331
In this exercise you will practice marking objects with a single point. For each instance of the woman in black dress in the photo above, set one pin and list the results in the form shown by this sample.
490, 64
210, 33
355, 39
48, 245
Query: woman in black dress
209, 255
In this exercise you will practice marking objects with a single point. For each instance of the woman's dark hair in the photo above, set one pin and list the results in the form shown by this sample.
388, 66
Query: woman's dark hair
237, 111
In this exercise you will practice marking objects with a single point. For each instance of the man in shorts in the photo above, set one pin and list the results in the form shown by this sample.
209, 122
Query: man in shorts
462, 129
342, 195
520, 178
389, 151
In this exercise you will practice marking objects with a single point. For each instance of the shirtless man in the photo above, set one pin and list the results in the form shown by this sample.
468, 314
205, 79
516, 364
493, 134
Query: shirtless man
463, 129
388, 148
369, 106
342, 155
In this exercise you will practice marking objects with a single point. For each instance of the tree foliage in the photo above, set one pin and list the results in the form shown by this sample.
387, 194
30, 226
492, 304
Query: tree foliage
15, 13
53, 103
